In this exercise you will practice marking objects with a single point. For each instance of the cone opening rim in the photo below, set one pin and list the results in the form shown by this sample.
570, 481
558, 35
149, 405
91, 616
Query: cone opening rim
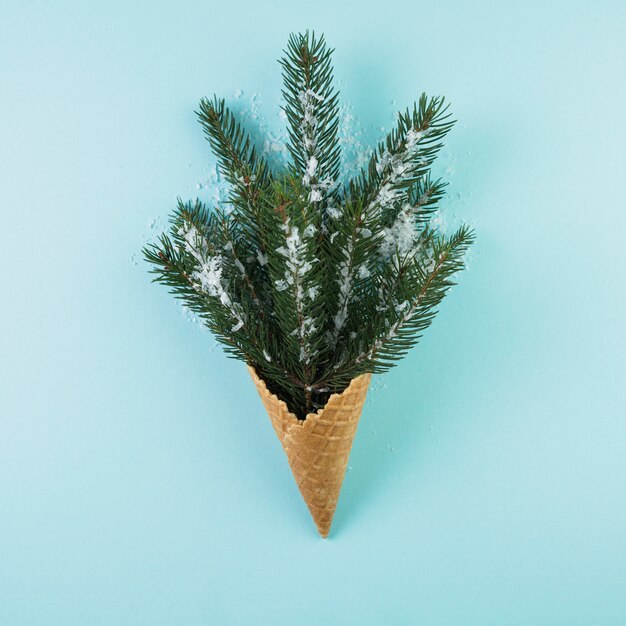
309, 416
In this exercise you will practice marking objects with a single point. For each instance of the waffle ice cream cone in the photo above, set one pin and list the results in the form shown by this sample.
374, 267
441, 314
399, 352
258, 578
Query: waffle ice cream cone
318, 447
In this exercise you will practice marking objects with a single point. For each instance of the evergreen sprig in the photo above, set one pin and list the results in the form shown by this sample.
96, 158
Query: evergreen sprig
310, 281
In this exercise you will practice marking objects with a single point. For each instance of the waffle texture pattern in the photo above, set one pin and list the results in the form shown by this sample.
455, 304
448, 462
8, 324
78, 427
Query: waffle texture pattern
318, 447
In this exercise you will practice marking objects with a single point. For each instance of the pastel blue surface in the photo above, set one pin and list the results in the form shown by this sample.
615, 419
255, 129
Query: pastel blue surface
140, 480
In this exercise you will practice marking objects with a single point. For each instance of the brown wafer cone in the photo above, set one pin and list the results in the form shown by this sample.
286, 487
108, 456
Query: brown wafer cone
318, 447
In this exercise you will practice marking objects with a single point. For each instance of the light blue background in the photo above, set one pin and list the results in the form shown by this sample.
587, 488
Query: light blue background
140, 480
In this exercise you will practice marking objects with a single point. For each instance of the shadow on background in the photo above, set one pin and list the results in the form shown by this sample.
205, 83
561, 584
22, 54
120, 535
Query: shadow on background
408, 406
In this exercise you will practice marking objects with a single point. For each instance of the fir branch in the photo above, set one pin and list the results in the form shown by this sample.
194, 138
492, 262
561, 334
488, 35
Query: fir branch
174, 269
237, 156
240, 163
393, 342
405, 156
312, 112
309, 282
